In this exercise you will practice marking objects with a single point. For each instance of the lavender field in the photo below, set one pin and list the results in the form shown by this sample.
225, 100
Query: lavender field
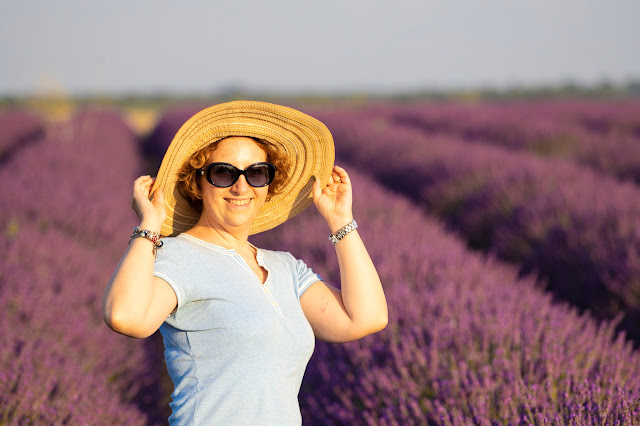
507, 237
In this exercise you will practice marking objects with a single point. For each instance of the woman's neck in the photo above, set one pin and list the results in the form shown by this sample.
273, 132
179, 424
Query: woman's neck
228, 238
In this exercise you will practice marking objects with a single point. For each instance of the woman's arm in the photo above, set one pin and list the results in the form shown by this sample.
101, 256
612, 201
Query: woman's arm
360, 308
135, 303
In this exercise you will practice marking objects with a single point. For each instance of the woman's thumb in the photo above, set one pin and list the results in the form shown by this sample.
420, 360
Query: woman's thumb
316, 189
158, 198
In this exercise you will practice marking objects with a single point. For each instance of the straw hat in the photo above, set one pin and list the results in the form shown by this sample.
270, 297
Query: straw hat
306, 141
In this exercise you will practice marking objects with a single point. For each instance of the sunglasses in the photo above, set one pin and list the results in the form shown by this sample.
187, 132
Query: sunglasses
223, 175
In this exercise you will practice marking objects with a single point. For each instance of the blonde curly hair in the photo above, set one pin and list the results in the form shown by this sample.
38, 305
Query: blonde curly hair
188, 181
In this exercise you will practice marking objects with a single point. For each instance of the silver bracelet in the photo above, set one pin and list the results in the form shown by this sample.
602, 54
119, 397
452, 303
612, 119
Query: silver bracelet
351, 226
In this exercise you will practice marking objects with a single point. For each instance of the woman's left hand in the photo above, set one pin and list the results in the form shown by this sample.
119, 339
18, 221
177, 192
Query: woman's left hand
359, 307
334, 201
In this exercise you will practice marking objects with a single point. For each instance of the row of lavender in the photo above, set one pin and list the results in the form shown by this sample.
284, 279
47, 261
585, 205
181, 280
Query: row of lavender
601, 135
18, 128
64, 222
577, 228
468, 341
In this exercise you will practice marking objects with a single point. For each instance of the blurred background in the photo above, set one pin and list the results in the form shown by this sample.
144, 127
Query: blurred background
510, 133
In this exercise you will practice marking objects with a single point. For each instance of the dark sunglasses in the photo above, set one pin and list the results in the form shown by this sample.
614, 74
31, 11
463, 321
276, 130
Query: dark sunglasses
223, 175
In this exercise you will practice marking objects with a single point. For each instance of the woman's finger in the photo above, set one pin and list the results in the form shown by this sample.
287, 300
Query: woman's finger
316, 189
143, 185
142, 180
342, 174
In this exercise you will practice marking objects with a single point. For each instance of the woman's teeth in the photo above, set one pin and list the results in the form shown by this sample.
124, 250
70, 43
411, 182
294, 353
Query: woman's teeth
239, 202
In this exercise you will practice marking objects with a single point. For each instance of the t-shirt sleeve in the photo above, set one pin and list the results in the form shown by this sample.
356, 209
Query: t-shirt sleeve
169, 267
305, 277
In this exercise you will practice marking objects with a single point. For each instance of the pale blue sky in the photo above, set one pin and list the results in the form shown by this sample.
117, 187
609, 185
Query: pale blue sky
86, 46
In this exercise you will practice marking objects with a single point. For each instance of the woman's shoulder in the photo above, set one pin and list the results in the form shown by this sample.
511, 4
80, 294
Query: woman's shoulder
171, 247
169, 242
179, 241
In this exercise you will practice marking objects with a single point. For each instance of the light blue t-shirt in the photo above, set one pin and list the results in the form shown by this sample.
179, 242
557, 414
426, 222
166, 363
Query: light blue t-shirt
236, 349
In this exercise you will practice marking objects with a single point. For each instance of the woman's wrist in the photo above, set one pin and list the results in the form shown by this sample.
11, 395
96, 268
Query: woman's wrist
151, 225
337, 223
343, 232
147, 234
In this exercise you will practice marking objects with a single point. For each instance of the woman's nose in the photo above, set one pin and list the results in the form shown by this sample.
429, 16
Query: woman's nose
241, 186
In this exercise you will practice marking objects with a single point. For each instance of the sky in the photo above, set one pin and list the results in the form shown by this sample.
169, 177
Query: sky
120, 47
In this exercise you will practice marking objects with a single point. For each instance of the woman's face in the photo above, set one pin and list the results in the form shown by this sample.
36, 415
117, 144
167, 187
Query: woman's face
238, 205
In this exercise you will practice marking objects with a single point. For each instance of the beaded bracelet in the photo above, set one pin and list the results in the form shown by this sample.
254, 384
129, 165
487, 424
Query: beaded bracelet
351, 226
152, 236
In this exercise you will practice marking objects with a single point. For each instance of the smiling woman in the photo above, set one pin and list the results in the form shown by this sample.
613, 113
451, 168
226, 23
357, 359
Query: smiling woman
239, 322
238, 203
189, 184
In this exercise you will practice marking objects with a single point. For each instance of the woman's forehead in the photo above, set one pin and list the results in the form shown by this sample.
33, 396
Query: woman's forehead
239, 149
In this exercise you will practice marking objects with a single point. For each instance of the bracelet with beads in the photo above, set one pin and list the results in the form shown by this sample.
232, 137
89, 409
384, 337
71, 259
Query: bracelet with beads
152, 236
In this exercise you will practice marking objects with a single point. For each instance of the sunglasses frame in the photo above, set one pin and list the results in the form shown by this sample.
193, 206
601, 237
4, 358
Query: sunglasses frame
206, 171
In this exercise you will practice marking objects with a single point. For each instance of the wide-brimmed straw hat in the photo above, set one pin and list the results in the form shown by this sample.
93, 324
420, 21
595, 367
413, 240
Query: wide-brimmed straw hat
306, 141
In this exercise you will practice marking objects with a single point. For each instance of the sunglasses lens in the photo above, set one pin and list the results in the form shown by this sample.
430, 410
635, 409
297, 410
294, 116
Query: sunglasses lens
259, 175
223, 175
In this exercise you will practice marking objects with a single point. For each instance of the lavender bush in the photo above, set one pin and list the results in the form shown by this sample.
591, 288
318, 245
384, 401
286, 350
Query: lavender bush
76, 179
17, 129
69, 195
59, 364
156, 144
468, 341
605, 136
577, 228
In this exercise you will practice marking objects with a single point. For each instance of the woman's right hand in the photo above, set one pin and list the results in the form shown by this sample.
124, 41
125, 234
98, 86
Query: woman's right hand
151, 212
135, 302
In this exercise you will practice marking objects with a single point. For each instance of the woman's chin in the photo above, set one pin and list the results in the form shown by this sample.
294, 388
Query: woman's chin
239, 219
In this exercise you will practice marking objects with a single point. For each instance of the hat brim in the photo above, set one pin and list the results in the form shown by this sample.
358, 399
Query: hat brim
306, 141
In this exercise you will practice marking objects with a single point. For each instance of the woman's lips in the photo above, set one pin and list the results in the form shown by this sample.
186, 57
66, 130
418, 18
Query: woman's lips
239, 203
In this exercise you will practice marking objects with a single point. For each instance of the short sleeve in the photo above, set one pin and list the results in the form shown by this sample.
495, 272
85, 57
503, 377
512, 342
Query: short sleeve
169, 267
305, 277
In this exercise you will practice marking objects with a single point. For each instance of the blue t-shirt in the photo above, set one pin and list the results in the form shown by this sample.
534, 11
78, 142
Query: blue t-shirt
236, 349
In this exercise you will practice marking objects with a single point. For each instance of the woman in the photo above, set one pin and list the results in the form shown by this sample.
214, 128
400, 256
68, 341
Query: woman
238, 322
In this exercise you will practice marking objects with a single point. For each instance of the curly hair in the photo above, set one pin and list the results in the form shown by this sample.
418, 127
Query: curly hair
188, 182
